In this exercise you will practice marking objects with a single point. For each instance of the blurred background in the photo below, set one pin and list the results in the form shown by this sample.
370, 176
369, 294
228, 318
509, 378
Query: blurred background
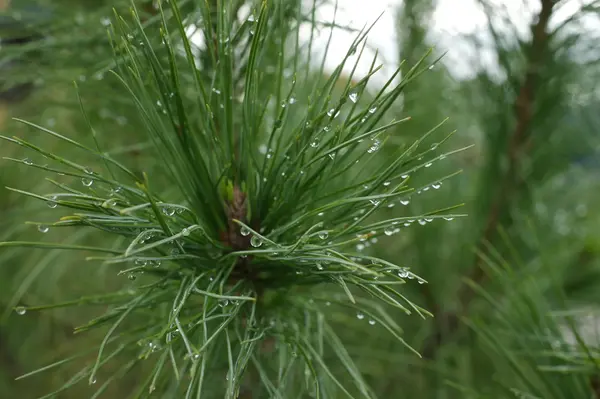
514, 287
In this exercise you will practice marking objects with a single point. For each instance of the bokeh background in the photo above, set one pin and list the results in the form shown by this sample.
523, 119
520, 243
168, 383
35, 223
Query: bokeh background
515, 286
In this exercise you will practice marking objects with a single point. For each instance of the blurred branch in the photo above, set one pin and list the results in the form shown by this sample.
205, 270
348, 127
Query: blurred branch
447, 324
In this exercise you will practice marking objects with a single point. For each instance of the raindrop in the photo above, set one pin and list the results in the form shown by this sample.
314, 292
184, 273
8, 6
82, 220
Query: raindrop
256, 241
375, 202
426, 188
52, 202
429, 220
391, 205
404, 176
185, 232
430, 67
421, 282
321, 213
387, 183
372, 322
332, 155
315, 143
20, 310
388, 231
405, 201
251, 18
223, 303
262, 149
403, 273
372, 110
428, 164
353, 97
436, 185
323, 235
327, 303
93, 381
27, 161
140, 262
244, 231
131, 276
422, 222
360, 247
332, 112
374, 240
319, 266
448, 218
43, 228
360, 316
292, 100
169, 211
87, 182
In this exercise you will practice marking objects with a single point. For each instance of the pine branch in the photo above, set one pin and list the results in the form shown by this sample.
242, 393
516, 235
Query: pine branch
447, 324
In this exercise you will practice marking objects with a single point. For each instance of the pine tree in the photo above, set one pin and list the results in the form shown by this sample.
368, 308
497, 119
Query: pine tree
221, 216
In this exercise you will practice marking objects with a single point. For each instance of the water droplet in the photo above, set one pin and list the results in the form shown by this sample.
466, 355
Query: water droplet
333, 113
428, 164
131, 276
52, 202
292, 100
251, 18
185, 232
388, 231
323, 235
353, 97
403, 273
244, 231
93, 381
262, 149
327, 303
256, 241
372, 322
436, 185
430, 67
43, 228
319, 266
315, 143
360, 247
405, 201
223, 302
320, 213
360, 316
332, 155
404, 176
421, 282
448, 218
375, 202
27, 161
87, 182
20, 310
372, 110
168, 210
422, 222
426, 188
